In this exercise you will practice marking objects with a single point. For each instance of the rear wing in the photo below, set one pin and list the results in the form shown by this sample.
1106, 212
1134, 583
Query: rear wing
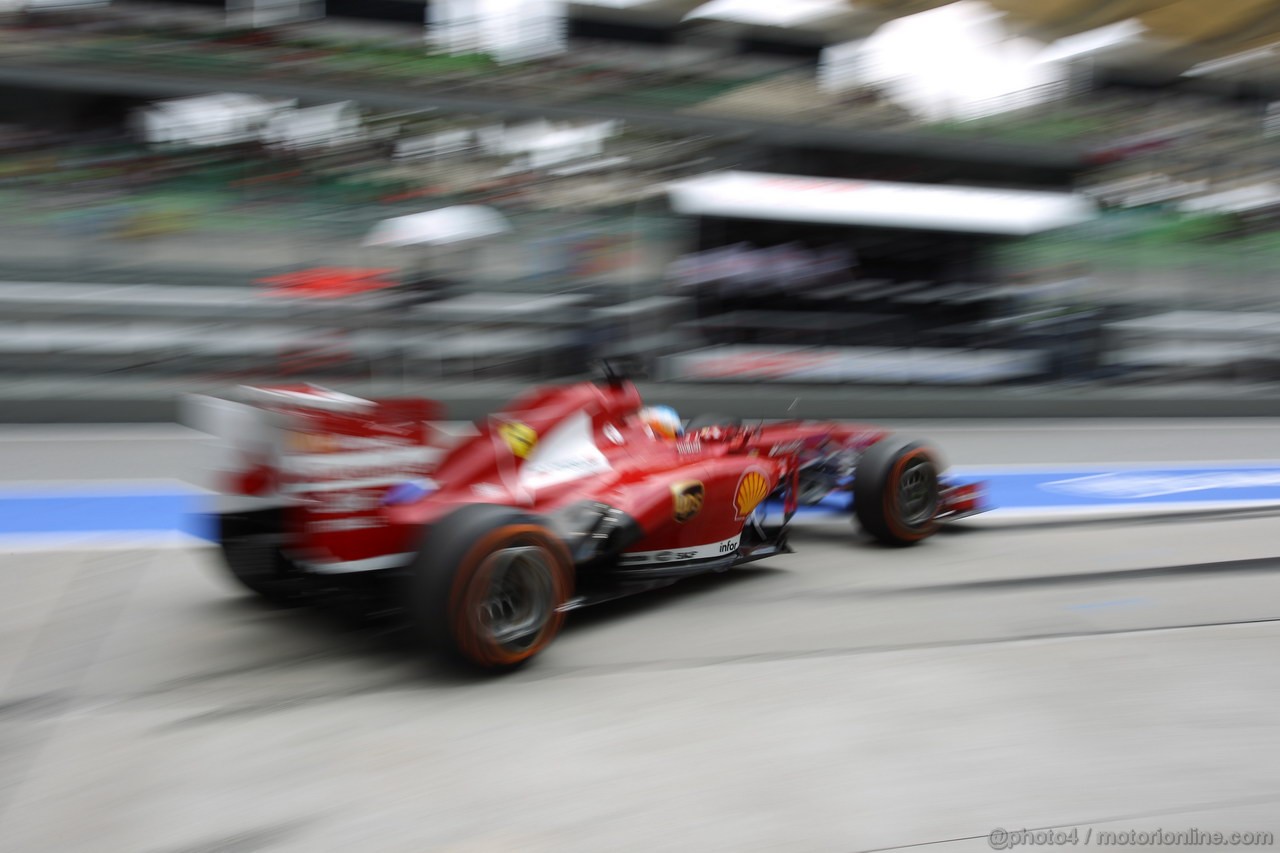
277, 444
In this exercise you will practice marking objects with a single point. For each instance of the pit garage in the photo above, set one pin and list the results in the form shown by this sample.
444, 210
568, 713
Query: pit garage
863, 281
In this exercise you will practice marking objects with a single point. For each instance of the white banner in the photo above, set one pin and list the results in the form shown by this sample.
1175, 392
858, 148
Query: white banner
884, 204
855, 364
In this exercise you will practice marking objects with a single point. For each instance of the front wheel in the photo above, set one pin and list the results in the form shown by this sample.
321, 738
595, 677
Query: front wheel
895, 491
489, 585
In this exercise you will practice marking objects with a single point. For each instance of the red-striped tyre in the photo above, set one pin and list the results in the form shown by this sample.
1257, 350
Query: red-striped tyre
895, 491
488, 586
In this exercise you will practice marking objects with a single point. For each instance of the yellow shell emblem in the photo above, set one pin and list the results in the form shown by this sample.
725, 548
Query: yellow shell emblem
752, 489
521, 438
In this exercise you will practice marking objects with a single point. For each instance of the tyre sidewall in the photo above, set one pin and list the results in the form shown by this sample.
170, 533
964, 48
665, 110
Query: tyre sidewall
451, 576
876, 496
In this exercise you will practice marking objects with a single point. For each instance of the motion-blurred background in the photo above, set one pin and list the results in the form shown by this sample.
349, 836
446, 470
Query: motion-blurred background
902, 211
390, 194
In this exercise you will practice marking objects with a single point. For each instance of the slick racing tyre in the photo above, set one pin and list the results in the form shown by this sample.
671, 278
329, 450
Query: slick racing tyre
704, 421
488, 586
250, 545
895, 491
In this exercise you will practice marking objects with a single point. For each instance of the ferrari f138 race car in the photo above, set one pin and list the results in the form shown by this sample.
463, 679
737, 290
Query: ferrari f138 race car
569, 496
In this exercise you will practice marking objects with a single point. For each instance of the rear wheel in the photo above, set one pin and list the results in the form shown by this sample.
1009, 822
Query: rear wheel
251, 550
895, 491
489, 584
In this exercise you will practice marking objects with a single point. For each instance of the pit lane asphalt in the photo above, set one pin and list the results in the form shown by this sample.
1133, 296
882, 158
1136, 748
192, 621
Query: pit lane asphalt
1110, 675
92, 452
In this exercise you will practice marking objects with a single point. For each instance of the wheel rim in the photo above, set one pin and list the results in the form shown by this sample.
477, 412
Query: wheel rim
520, 598
917, 492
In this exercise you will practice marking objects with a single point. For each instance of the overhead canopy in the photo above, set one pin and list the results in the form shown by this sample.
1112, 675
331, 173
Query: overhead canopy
792, 198
439, 227
38, 5
217, 119
314, 127
1238, 200
790, 14
1166, 33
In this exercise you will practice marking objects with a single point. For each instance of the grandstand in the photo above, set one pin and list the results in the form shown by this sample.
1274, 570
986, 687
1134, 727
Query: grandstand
1182, 169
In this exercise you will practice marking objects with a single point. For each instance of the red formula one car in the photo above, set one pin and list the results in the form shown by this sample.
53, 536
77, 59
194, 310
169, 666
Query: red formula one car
569, 496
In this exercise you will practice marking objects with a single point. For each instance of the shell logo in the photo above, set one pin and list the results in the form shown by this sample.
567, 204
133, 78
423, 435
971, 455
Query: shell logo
520, 438
752, 489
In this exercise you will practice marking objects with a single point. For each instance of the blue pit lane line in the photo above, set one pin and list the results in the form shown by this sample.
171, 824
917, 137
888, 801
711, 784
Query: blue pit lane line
1103, 486
109, 508
174, 508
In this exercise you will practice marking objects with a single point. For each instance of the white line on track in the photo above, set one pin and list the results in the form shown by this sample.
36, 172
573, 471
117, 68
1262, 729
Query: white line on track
1086, 425
1016, 515
1069, 467
35, 488
132, 540
100, 432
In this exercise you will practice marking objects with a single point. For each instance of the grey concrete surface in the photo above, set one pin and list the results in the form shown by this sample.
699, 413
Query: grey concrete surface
1080, 441
843, 698
70, 399
1100, 676
68, 452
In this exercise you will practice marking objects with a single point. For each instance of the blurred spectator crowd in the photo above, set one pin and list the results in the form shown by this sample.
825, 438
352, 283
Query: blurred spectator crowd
240, 191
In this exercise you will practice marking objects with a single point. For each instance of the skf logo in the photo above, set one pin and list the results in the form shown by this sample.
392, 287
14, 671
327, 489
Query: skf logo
752, 489
686, 500
520, 438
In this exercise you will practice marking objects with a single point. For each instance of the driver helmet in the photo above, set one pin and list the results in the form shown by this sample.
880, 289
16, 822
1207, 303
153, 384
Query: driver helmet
663, 421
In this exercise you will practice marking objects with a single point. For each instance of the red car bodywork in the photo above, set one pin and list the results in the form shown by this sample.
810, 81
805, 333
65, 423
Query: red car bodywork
566, 453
